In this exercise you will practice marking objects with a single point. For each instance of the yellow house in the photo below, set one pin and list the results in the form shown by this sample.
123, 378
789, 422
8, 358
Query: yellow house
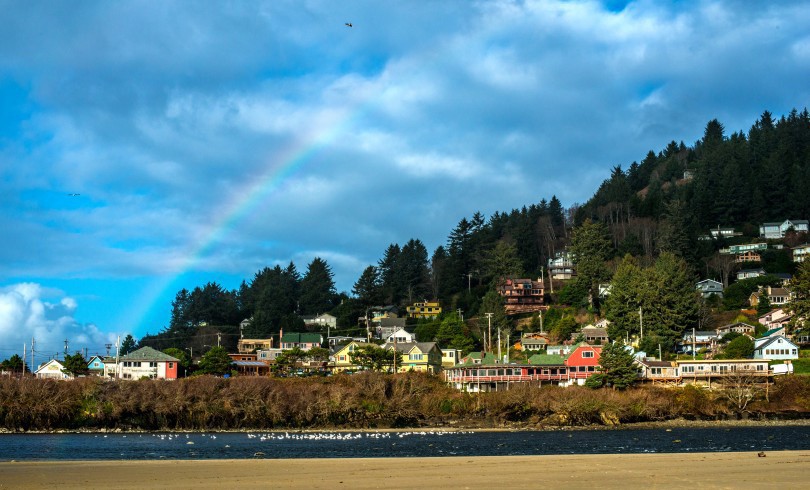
428, 309
341, 359
417, 356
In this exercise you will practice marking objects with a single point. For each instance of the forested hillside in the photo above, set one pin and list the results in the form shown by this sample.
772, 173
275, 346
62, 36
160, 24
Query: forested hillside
662, 204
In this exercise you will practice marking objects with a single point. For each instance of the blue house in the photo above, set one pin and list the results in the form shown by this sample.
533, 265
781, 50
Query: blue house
96, 366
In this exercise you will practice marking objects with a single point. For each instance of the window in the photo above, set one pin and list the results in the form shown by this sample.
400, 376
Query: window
587, 354
171, 365
153, 364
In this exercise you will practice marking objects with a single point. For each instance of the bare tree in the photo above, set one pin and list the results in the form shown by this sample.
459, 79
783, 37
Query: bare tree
742, 386
724, 265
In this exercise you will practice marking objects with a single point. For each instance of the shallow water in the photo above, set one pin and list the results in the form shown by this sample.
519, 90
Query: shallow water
153, 446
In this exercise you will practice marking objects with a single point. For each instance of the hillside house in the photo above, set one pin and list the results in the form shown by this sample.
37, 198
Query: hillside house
708, 287
248, 346
450, 357
561, 267
593, 335
702, 339
425, 309
521, 295
777, 318
400, 336
776, 347
749, 273
322, 321
304, 341
776, 296
739, 327
800, 253
776, 230
417, 356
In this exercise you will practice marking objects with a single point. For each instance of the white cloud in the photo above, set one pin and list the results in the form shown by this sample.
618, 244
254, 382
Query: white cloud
30, 311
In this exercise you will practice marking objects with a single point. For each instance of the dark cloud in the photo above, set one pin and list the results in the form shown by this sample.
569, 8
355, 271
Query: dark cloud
222, 137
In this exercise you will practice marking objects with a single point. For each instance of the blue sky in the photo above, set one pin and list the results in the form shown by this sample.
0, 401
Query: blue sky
209, 139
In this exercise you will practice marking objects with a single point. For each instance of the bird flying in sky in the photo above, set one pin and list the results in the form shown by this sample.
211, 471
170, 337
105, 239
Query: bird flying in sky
74, 194
349, 24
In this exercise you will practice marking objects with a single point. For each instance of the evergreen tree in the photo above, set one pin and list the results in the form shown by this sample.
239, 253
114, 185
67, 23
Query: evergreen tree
625, 299
502, 261
368, 289
412, 269
799, 304
616, 364
75, 365
127, 346
389, 275
591, 248
14, 364
216, 361
317, 288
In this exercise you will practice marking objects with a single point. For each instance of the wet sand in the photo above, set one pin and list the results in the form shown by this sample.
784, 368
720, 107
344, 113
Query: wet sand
778, 469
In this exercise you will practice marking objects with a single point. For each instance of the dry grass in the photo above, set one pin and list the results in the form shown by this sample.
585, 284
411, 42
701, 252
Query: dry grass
365, 400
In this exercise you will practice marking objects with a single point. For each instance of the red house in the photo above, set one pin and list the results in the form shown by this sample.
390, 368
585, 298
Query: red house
583, 362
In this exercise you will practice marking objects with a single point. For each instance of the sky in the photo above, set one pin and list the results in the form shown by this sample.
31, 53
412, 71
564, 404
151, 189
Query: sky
149, 146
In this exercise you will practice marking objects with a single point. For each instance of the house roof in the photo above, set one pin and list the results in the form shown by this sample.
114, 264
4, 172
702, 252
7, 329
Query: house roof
405, 347
486, 358
148, 354
772, 340
656, 363
301, 338
547, 360
250, 363
772, 331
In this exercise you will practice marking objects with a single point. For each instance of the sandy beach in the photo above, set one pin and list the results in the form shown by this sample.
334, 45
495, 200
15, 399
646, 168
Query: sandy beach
702, 470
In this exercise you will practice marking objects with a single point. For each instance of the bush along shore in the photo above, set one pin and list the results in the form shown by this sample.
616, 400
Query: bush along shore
366, 401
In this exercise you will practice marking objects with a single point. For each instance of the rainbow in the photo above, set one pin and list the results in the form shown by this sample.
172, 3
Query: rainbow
279, 168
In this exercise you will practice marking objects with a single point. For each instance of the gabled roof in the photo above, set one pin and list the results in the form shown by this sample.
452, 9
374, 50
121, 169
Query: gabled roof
148, 354
406, 347
772, 340
301, 338
486, 358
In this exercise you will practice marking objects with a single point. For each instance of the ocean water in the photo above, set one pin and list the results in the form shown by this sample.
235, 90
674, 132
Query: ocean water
153, 446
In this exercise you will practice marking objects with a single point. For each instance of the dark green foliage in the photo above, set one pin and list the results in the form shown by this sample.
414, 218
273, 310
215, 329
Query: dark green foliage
372, 357
179, 354
575, 293
736, 295
216, 361
617, 366
317, 289
741, 347
75, 365
127, 345
14, 364
799, 304
368, 289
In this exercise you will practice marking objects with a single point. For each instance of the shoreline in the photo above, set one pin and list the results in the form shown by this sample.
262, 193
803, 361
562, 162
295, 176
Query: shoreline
663, 424
626, 471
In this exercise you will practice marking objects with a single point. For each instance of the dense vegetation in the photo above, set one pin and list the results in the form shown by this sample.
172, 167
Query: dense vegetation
660, 205
368, 400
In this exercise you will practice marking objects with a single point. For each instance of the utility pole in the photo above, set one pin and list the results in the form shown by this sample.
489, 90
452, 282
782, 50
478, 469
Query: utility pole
117, 358
24, 365
460, 313
693, 343
108, 349
219, 339
33, 364
641, 324
489, 336
66, 347
499, 346
541, 321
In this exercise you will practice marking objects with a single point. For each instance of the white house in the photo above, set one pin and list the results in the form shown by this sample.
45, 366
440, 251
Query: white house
749, 273
778, 230
323, 320
52, 370
145, 362
400, 336
776, 347
702, 340
708, 287
801, 252
739, 327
